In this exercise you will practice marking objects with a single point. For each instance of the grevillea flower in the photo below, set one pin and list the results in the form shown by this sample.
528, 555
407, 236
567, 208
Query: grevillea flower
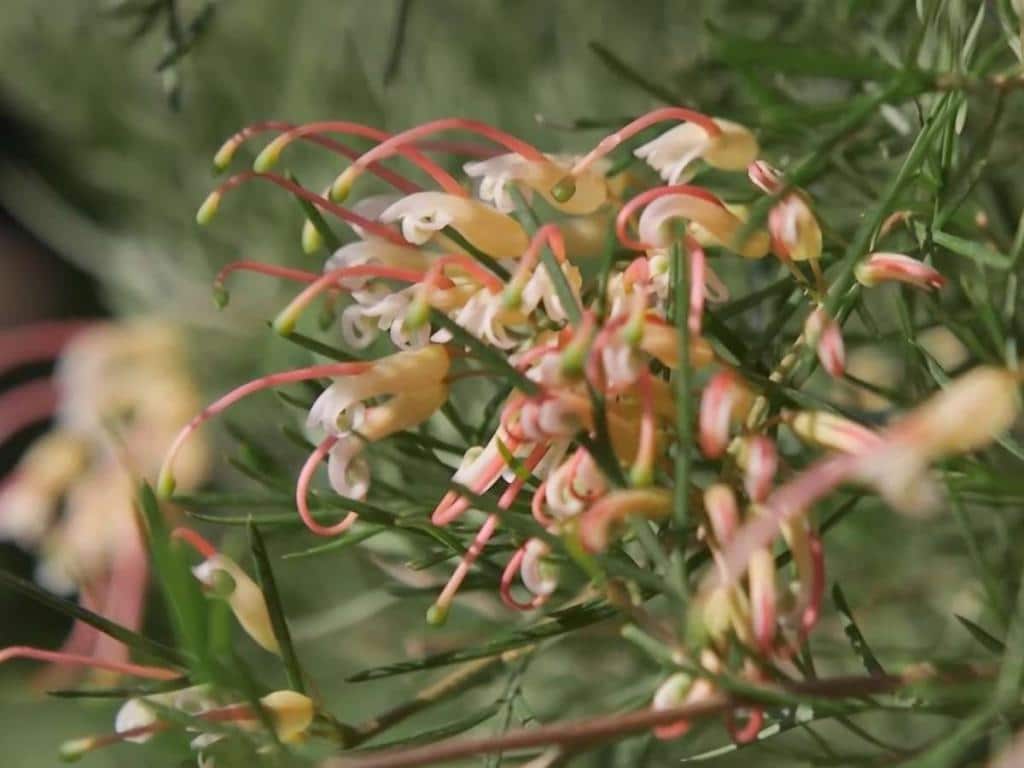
593, 421
897, 267
706, 213
824, 334
496, 173
121, 392
720, 143
795, 232
228, 581
830, 431
139, 719
414, 383
424, 214
972, 412
724, 402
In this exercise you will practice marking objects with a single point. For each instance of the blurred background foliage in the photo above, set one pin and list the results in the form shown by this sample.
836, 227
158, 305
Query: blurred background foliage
104, 160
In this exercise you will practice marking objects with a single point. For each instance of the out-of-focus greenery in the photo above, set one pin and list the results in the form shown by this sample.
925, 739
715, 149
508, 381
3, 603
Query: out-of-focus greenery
109, 173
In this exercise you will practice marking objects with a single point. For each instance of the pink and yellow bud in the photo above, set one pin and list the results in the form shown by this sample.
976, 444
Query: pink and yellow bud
597, 523
661, 342
824, 334
896, 267
759, 459
761, 575
722, 512
831, 431
725, 401
795, 232
713, 218
969, 414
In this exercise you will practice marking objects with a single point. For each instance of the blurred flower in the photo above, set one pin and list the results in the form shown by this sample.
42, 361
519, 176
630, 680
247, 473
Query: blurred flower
124, 390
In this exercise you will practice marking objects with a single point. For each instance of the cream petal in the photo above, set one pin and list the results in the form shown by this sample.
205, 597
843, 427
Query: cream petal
357, 330
371, 207
538, 576
348, 472
424, 214
672, 692
676, 147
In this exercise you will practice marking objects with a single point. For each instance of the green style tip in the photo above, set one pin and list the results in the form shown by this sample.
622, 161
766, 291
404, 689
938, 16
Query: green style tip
572, 362
342, 186
75, 750
208, 209
221, 296
284, 324
312, 240
267, 158
437, 615
224, 156
564, 189
417, 315
641, 476
512, 297
165, 484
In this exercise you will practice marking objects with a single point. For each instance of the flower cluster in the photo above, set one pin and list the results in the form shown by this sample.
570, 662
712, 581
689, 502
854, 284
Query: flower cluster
119, 394
605, 367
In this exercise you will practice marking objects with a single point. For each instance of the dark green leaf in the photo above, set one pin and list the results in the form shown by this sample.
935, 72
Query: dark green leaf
558, 623
276, 610
854, 635
987, 641
133, 640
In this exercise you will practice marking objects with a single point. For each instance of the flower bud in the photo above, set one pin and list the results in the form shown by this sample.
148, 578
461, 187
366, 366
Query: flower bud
824, 334
291, 712
725, 399
896, 267
245, 598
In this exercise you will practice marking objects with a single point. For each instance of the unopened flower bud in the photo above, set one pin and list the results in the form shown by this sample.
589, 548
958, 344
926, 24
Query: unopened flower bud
246, 599
896, 267
824, 334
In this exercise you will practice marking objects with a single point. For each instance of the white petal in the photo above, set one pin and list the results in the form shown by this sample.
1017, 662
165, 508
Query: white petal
347, 470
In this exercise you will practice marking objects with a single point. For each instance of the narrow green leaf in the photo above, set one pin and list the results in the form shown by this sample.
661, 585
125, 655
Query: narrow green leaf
773, 55
487, 260
973, 250
431, 735
132, 639
341, 542
121, 692
858, 112
858, 247
272, 597
971, 40
184, 599
513, 462
987, 641
632, 76
557, 623
317, 346
997, 598
331, 240
854, 635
